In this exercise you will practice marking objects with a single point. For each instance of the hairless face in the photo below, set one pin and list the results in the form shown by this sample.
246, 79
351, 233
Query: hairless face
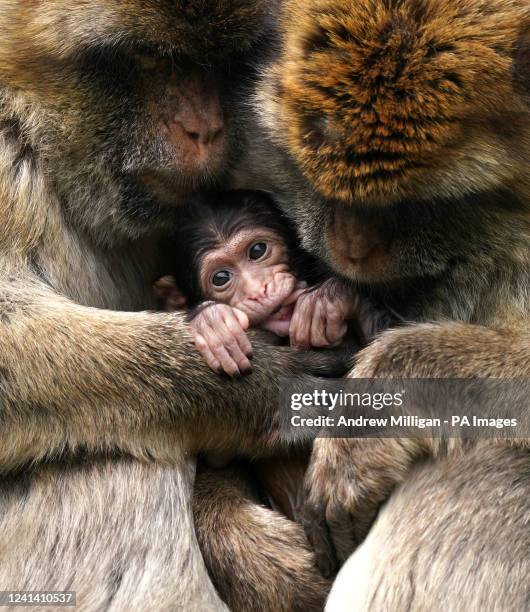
238, 268
251, 272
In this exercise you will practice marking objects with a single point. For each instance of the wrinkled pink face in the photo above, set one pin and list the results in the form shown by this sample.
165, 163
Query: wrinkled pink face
251, 272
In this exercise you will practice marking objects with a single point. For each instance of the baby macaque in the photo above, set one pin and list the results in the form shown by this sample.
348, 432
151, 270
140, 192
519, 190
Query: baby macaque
240, 267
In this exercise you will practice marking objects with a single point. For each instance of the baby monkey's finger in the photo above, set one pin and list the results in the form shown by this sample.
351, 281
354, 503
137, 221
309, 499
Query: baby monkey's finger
335, 330
234, 326
165, 288
205, 351
318, 327
163, 284
300, 328
242, 318
294, 296
175, 301
230, 341
335, 323
239, 357
228, 364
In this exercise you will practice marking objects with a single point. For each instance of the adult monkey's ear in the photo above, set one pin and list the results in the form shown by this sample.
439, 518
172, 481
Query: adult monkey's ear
521, 65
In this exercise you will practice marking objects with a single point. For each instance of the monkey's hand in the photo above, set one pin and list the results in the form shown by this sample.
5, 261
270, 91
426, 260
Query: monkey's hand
220, 336
166, 290
320, 315
348, 479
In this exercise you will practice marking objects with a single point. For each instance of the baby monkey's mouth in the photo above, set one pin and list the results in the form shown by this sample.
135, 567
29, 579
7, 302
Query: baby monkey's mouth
281, 312
279, 320
275, 305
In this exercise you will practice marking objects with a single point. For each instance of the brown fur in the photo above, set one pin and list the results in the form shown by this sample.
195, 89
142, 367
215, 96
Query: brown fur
91, 383
290, 583
450, 538
374, 94
403, 155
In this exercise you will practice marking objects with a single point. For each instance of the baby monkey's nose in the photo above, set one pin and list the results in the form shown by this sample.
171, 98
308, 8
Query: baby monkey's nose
255, 287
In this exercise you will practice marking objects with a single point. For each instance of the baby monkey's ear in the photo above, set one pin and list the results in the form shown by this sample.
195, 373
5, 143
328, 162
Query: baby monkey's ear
169, 294
521, 65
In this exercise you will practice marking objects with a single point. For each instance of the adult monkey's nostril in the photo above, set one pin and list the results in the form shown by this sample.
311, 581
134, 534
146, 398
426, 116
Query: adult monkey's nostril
218, 134
198, 123
193, 136
203, 134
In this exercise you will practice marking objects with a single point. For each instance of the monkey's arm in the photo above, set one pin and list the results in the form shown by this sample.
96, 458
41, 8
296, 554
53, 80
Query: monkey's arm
365, 470
449, 350
280, 574
78, 377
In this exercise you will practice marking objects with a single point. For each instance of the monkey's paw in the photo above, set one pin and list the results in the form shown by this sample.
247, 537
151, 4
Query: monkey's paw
346, 483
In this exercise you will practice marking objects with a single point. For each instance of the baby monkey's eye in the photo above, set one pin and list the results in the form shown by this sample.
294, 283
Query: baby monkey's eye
221, 278
257, 250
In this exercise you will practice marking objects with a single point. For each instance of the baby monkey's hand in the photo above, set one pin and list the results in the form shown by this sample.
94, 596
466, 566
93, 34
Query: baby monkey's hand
166, 290
220, 337
320, 315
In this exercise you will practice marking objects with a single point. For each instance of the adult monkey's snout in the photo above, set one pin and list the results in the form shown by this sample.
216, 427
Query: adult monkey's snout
196, 125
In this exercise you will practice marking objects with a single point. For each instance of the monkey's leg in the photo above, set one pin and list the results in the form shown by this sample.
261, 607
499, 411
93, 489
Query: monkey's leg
258, 559
366, 470
118, 533
454, 536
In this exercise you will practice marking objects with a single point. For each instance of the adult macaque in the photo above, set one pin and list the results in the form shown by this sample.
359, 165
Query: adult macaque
403, 135
237, 265
111, 114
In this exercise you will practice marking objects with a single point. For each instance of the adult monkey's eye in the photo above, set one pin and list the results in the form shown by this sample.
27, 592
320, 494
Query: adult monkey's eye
150, 58
221, 278
257, 250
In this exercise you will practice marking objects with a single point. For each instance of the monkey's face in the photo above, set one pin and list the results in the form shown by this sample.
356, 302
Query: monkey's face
251, 272
384, 104
137, 103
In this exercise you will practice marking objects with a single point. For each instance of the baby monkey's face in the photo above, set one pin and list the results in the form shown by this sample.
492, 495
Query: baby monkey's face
251, 272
